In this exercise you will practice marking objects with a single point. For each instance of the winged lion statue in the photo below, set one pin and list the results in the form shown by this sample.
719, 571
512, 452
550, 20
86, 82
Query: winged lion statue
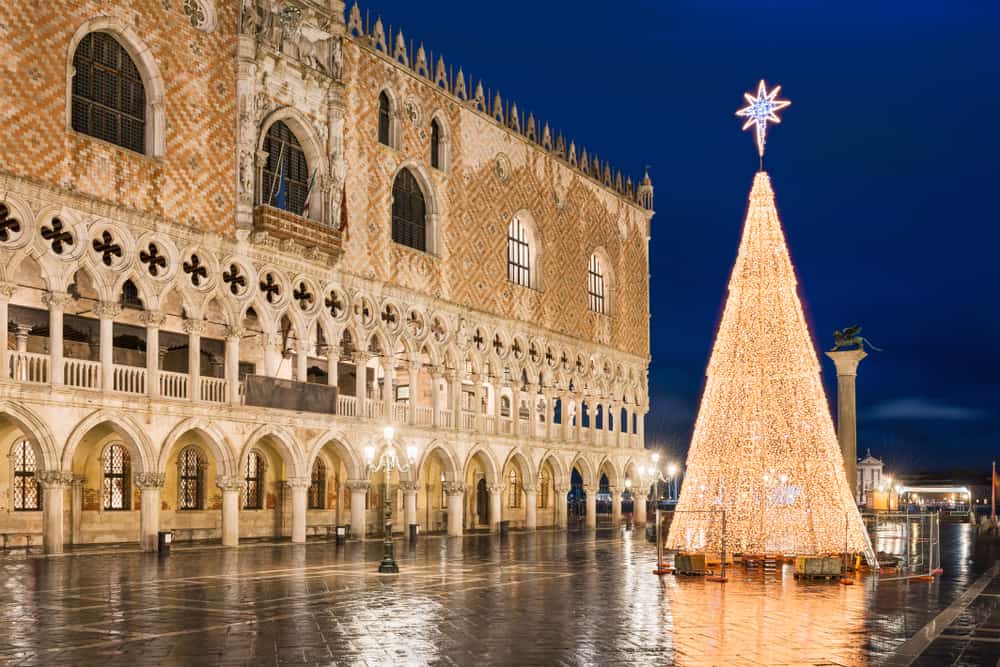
851, 336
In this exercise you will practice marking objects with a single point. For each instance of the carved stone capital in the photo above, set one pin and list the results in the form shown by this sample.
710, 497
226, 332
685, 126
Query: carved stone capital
107, 310
298, 482
235, 332
454, 488
357, 484
152, 318
409, 486
54, 479
150, 480
639, 492
229, 483
529, 489
7, 290
194, 326
55, 300
562, 489
496, 489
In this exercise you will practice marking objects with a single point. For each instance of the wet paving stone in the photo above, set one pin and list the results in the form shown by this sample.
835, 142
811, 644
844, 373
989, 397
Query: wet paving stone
548, 598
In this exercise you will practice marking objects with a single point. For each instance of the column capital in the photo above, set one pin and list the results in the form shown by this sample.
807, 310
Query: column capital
298, 482
496, 489
846, 361
437, 373
530, 489
7, 290
54, 479
22, 329
55, 300
235, 332
453, 488
360, 358
194, 326
107, 310
562, 489
150, 480
357, 484
152, 318
229, 483
408, 486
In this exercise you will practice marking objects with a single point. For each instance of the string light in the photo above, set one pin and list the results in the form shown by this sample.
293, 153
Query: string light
762, 110
764, 448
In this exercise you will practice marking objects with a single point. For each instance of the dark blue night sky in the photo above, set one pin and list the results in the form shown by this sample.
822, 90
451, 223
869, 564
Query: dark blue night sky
885, 170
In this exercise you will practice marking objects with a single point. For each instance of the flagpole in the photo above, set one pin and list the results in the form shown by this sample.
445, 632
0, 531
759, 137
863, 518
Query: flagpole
993, 494
277, 175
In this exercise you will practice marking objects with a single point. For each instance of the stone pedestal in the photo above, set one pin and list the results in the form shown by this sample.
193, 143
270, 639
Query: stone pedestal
847, 362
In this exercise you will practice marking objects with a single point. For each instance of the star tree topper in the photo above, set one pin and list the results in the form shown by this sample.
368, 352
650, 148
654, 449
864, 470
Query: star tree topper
761, 110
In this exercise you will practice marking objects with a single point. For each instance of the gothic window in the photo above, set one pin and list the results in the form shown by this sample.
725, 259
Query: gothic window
383, 119
286, 180
109, 100
436, 160
253, 490
519, 253
317, 489
596, 286
409, 211
190, 492
504, 406
543, 496
514, 490
130, 296
27, 495
117, 477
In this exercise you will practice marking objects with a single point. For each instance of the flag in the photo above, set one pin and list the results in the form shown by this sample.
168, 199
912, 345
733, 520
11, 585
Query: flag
279, 177
281, 194
305, 207
343, 215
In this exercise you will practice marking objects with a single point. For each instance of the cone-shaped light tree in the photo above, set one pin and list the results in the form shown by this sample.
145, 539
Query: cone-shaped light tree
764, 448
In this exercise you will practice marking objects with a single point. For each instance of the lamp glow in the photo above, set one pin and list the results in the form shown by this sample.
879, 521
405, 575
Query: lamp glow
388, 432
762, 110
369, 454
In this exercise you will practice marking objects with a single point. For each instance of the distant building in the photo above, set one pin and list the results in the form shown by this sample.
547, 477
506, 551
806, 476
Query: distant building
869, 477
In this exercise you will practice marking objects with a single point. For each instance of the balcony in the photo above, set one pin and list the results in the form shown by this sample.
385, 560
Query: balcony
284, 226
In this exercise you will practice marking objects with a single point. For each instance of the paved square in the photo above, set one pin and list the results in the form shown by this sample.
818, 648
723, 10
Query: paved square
548, 598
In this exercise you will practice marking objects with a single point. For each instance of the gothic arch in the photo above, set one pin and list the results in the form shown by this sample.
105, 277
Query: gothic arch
312, 147
607, 466
216, 442
152, 82
284, 443
35, 431
586, 470
560, 476
433, 207
491, 467
528, 472
345, 450
134, 437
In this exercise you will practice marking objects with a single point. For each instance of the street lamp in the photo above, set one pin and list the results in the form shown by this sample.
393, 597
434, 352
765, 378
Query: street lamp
387, 463
648, 476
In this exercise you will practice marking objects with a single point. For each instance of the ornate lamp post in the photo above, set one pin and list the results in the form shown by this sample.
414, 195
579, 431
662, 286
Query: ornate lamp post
650, 476
388, 462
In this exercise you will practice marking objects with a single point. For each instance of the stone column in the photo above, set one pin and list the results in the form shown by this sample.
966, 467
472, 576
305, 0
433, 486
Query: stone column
456, 495
530, 508
359, 489
409, 490
6, 292
231, 488
389, 387
153, 320
361, 383
107, 311
477, 402
591, 505
194, 329
638, 507
616, 507
76, 509
414, 372
302, 362
332, 366
550, 416
233, 337
562, 518
150, 484
567, 418
56, 301
496, 506
531, 391
437, 375
847, 362
53, 483
579, 417
271, 343
640, 422
300, 490
456, 406
21, 345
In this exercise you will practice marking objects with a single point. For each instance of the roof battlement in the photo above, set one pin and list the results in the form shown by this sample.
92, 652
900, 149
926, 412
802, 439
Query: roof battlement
392, 45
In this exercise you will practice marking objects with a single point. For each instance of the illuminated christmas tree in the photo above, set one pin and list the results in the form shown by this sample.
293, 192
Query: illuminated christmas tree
764, 447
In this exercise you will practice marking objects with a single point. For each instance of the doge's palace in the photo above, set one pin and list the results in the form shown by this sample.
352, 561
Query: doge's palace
239, 239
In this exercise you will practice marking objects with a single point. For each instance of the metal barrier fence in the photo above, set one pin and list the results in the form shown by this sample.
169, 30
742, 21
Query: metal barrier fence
906, 544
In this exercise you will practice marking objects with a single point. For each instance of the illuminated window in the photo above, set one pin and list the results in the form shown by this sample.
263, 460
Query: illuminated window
596, 286
514, 492
117, 478
409, 211
27, 495
109, 100
518, 253
190, 492
253, 491
285, 181
317, 489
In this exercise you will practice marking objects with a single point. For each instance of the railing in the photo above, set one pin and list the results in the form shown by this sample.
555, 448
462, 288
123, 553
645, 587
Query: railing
446, 418
506, 426
489, 424
469, 421
424, 416
82, 373
400, 413
129, 379
347, 406
213, 390
522, 426
374, 408
173, 385
29, 367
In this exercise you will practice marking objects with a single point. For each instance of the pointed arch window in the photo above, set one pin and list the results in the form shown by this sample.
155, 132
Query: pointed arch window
514, 484
436, 158
190, 494
253, 490
286, 181
116, 487
596, 286
384, 119
409, 212
519, 253
27, 495
317, 487
108, 99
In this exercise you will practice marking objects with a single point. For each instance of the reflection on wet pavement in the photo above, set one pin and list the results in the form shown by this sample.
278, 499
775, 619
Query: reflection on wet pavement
528, 599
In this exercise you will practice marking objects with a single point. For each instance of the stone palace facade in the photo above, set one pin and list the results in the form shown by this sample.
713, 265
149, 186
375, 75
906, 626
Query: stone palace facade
238, 239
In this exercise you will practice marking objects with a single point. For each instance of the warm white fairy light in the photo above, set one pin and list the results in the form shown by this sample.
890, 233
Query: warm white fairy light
764, 448
762, 110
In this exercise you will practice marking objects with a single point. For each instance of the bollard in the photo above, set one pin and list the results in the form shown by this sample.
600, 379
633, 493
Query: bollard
164, 539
